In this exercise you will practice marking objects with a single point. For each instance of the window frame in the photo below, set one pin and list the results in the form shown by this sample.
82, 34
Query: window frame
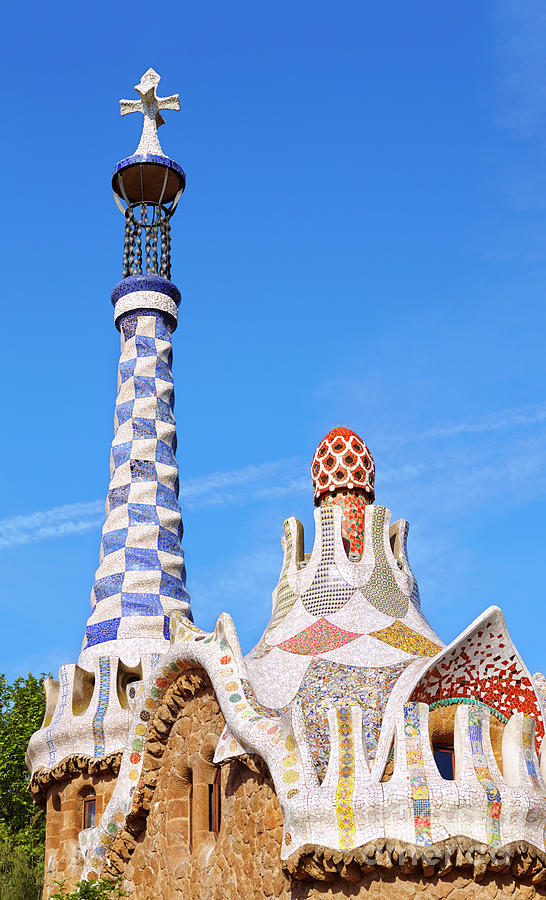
89, 803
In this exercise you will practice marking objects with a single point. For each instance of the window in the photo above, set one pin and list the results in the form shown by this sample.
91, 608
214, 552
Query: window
215, 802
190, 818
444, 757
89, 806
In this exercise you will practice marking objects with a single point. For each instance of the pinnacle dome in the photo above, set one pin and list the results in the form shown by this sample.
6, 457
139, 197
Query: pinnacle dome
342, 460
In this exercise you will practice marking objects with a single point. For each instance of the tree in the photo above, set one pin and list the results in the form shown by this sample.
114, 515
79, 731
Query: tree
22, 824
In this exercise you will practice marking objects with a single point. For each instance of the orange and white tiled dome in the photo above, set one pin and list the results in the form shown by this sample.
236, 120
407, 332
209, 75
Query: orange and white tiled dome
342, 459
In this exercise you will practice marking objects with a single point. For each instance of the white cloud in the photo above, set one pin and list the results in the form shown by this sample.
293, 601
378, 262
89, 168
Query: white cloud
504, 418
447, 478
208, 490
72, 518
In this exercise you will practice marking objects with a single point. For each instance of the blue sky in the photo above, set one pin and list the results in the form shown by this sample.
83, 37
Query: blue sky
362, 242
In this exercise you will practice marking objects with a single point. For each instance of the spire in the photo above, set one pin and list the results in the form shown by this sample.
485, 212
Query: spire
141, 577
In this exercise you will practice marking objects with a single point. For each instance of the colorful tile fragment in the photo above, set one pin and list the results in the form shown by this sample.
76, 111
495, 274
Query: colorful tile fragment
484, 667
328, 590
479, 761
346, 779
381, 590
319, 637
353, 509
98, 718
266, 711
403, 638
285, 597
329, 684
527, 735
417, 775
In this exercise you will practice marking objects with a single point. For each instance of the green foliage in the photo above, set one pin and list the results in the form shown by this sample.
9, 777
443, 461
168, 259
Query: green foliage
21, 871
22, 707
100, 889
22, 824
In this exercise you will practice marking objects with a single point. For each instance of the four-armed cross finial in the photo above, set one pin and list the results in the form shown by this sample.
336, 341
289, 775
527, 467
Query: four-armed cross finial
149, 104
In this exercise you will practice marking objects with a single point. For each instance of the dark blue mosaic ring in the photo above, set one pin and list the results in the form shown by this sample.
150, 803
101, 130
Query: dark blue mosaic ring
146, 292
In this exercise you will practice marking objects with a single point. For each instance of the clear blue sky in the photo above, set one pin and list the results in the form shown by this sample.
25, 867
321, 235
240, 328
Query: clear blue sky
362, 241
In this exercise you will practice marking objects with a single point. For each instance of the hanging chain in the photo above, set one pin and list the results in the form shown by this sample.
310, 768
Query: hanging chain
155, 238
131, 265
127, 244
147, 237
163, 269
138, 248
157, 242
167, 247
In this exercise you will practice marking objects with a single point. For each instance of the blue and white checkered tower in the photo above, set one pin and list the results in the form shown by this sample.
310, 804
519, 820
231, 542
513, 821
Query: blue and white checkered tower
141, 576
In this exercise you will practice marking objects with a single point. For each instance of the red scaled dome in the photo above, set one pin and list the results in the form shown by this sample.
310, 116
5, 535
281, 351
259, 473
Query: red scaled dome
342, 460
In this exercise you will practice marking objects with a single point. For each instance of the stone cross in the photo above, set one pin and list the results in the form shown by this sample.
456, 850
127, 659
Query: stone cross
149, 105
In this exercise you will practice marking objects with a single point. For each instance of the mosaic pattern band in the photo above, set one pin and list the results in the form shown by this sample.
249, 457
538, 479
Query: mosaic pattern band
146, 292
346, 778
494, 803
59, 712
98, 719
528, 740
417, 775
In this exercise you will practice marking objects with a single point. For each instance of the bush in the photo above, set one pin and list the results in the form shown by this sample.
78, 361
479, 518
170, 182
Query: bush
100, 889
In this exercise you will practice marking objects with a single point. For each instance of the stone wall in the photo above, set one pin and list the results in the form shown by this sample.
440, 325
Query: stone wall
64, 820
172, 854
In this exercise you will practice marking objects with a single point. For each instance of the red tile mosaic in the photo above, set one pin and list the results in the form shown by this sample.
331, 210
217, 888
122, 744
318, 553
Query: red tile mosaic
318, 638
484, 667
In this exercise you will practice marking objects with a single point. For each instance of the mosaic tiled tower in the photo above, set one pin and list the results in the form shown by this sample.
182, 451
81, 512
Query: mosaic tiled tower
141, 579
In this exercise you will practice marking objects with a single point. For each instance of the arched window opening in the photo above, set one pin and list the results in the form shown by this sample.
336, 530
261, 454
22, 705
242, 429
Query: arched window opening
444, 757
89, 809
215, 804
441, 732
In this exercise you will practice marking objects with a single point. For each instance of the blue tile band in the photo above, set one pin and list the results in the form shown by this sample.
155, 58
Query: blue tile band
102, 706
145, 283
